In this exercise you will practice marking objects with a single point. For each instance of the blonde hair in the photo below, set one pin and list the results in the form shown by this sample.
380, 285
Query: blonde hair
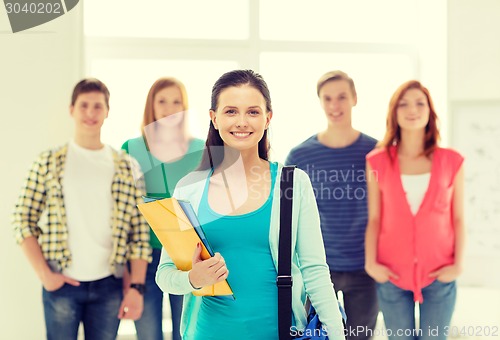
333, 76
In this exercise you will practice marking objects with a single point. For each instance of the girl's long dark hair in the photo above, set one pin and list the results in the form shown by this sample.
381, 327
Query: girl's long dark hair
214, 145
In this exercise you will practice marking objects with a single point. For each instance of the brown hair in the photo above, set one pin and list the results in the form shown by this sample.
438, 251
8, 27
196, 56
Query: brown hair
393, 132
333, 76
90, 85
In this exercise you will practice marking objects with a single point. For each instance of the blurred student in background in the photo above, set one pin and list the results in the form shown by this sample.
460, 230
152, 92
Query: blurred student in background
78, 224
415, 234
335, 161
166, 152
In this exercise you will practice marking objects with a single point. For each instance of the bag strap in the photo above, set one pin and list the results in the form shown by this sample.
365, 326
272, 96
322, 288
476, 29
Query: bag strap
284, 278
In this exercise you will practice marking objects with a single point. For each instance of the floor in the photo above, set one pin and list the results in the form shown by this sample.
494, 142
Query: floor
476, 317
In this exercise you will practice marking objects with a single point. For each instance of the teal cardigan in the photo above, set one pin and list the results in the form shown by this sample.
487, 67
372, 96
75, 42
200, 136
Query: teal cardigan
310, 272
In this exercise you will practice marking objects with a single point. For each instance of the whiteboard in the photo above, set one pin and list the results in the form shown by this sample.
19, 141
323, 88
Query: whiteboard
476, 135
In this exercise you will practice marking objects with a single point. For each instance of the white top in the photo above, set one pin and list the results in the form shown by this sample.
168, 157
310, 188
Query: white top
88, 175
415, 187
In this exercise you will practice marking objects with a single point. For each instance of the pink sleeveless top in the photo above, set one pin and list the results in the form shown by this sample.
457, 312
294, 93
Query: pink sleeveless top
413, 246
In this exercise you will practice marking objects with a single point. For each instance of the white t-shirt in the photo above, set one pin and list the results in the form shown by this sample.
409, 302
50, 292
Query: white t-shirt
415, 187
88, 175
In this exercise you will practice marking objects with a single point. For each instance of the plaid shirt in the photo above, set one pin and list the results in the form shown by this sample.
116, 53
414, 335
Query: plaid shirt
40, 212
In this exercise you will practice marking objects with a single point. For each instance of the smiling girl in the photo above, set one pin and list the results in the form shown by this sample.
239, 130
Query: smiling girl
236, 195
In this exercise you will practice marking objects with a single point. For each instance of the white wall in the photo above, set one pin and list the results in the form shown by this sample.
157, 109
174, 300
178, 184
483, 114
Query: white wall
474, 80
474, 49
38, 69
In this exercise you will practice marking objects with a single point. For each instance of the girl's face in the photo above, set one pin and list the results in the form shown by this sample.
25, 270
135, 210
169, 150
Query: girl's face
413, 110
337, 100
241, 117
168, 103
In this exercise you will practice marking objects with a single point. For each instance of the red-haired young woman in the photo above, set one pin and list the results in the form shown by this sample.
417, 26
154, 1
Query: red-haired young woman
415, 233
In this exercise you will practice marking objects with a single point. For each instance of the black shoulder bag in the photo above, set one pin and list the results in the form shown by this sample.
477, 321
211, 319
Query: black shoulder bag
313, 330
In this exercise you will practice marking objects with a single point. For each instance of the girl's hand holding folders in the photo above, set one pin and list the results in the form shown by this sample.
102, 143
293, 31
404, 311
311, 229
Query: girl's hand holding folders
207, 272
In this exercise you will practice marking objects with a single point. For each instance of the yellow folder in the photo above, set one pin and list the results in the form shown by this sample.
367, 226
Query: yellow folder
179, 238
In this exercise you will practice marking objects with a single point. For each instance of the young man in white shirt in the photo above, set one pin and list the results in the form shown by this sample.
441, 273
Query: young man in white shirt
77, 222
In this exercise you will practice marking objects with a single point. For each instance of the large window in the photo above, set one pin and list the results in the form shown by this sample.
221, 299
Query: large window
358, 21
192, 19
380, 44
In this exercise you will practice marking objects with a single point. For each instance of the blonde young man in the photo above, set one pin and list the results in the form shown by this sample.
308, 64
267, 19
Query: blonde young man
335, 161
77, 223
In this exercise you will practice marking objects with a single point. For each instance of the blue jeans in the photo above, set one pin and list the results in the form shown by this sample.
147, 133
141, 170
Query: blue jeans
94, 303
149, 326
398, 309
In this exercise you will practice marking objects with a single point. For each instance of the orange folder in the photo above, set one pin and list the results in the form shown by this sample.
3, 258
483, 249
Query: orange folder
179, 238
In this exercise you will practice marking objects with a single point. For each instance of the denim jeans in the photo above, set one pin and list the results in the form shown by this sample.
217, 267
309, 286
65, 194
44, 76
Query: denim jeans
94, 303
149, 326
360, 302
398, 308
